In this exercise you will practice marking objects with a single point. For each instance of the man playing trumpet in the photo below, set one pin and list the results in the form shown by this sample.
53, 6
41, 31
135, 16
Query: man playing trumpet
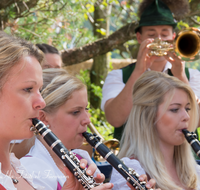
156, 21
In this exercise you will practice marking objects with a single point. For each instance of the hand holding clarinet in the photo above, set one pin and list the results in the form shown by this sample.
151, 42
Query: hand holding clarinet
83, 178
73, 184
134, 181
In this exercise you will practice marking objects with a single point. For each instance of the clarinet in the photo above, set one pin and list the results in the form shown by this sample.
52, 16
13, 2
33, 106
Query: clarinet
67, 157
128, 173
192, 140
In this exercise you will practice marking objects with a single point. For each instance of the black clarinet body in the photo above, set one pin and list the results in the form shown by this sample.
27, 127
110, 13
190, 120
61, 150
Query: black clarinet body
129, 174
191, 137
67, 157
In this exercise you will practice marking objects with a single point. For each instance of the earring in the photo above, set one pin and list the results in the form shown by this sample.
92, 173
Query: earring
47, 126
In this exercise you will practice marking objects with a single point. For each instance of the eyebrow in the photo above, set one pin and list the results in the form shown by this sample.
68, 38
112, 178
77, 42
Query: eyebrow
30, 81
78, 107
179, 104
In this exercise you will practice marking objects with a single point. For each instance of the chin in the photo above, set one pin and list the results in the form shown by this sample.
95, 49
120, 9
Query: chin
180, 142
78, 145
29, 135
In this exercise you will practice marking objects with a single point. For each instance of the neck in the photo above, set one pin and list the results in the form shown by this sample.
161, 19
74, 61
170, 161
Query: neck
168, 155
5, 155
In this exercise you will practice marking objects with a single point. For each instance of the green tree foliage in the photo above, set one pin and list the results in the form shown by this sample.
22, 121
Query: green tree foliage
60, 23
63, 23
67, 24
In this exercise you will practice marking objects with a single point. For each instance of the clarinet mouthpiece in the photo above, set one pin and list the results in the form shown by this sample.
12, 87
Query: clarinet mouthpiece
35, 121
185, 131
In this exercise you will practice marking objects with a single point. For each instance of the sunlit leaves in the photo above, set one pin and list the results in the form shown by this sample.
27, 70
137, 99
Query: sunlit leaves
102, 31
182, 24
90, 8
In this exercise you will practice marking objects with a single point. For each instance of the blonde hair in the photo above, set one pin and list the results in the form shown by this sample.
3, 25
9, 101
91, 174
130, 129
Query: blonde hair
58, 87
140, 136
11, 51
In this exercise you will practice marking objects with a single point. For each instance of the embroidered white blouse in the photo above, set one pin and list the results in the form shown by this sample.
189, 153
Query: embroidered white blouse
119, 181
7, 182
43, 168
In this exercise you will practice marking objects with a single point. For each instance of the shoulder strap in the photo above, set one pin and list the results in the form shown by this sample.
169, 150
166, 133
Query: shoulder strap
127, 71
186, 72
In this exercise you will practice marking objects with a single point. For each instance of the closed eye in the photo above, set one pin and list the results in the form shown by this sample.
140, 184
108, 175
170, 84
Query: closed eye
27, 89
151, 36
187, 109
75, 112
174, 110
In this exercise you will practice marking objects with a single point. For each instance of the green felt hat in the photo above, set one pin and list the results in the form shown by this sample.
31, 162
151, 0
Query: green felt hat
157, 13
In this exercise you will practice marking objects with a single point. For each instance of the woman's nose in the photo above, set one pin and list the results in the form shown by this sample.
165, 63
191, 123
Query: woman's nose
86, 119
186, 116
39, 102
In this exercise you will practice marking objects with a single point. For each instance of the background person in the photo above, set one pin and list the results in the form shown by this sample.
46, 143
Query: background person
153, 142
52, 56
156, 21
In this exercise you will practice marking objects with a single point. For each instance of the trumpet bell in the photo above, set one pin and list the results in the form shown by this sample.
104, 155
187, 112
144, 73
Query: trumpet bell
187, 43
113, 143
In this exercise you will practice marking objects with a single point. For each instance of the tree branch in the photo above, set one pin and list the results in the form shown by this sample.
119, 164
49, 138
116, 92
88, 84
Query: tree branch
99, 47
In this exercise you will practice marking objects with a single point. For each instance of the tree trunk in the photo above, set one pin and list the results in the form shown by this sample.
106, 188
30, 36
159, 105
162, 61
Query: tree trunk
99, 68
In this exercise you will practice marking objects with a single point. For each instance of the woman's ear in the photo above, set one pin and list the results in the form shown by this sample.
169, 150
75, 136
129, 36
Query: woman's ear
43, 117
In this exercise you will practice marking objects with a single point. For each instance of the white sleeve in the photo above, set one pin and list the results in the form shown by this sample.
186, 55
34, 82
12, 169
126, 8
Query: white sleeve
198, 174
195, 81
118, 180
16, 141
113, 85
41, 172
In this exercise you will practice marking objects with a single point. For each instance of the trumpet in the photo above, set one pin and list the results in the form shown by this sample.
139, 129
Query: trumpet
112, 144
186, 45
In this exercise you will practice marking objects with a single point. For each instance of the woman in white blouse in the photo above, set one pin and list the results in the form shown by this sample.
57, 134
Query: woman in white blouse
67, 116
153, 142
20, 100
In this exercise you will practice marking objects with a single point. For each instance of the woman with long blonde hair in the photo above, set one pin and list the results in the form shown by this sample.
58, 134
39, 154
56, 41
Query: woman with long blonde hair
153, 142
